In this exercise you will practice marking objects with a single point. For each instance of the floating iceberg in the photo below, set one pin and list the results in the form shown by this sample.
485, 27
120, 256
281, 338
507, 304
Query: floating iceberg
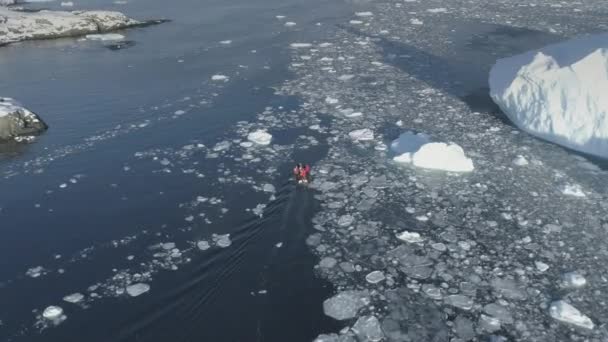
438, 156
52, 312
260, 137
558, 93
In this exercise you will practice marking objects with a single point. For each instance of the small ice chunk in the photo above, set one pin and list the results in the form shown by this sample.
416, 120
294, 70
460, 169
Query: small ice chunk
541, 266
105, 36
375, 277
67, 4
364, 14
137, 289
346, 304
52, 313
364, 134
223, 241
411, 237
226, 42
268, 188
459, 301
573, 190
328, 262
290, 24
300, 45
74, 298
345, 220
35, 272
168, 246
330, 100
416, 21
574, 280
564, 312
203, 245
520, 160
260, 137
437, 10
368, 328
219, 78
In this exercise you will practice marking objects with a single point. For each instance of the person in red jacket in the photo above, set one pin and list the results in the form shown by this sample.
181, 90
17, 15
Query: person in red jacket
297, 171
305, 173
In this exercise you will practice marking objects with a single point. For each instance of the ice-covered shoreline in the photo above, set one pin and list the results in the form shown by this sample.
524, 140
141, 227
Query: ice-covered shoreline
16, 26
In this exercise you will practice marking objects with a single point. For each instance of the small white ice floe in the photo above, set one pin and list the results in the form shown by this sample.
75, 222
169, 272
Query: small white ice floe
331, 100
300, 45
541, 266
573, 190
137, 289
520, 160
437, 10
219, 78
364, 14
74, 298
105, 36
223, 241
564, 312
279, 245
35, 272
347, 77
67, 4
411, 237
573, 280
355, 22
268, 188
260, 137
415, 21
290, 24
375, 277
226, 42
203, 245
280, 17
53, 313
364, 134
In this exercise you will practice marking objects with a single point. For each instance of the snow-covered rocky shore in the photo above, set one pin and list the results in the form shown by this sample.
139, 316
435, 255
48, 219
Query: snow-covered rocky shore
18, 26
18, 123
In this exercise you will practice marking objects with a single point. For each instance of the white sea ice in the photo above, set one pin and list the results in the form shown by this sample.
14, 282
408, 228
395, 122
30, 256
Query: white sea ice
219, 78
573, 190
52, 312
290, 24
260, 137
437, 10
557, 94
573, 280
368, 329
411, 237
415, 21
375, 277
35, 272
137, 289
67, 4
346, 304
364, 14
564, 312
223, 241
74, 298
226, 42
520, 160
203, 245
300, 45
364, 134
541, 266
439, 156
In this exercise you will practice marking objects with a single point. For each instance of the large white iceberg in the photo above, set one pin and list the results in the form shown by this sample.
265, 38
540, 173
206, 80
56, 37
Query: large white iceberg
558, 93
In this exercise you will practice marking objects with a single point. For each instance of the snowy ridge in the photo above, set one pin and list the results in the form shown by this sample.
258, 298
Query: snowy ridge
558, 93
20, 26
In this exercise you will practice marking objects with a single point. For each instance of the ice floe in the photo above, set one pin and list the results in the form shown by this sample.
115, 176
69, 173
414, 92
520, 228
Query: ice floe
260, 137
564, 312
364, 134
105, 36
137, 289
438, 156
